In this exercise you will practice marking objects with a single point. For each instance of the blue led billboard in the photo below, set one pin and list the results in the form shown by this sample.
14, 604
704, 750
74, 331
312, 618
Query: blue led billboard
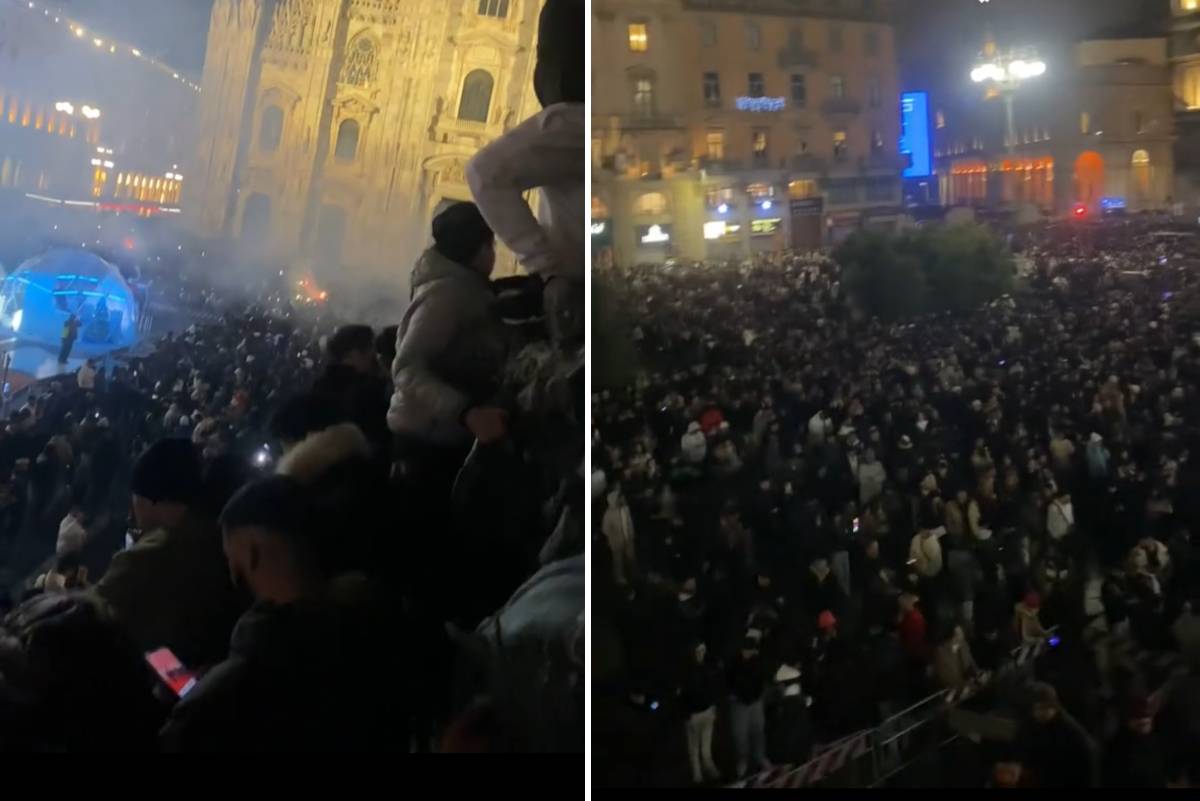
914, 134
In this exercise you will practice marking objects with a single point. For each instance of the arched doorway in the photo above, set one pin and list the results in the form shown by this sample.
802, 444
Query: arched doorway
1141, 177
1089, 177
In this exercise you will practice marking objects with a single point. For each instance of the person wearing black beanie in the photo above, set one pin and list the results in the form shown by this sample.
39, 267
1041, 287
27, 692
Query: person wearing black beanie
451, 348
172, 587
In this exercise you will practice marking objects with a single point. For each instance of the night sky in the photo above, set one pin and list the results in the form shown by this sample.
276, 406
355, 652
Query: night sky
174, 31
938, 38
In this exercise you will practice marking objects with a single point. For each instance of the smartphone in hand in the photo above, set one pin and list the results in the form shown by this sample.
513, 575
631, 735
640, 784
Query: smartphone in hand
171, 671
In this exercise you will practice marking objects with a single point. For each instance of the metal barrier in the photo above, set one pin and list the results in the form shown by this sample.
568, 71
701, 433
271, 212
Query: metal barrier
869, 757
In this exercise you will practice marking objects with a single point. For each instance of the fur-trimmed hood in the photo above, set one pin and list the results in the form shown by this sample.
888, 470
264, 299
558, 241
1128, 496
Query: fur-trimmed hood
320, 451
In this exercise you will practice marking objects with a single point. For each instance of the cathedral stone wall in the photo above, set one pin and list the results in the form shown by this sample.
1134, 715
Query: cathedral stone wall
332, 130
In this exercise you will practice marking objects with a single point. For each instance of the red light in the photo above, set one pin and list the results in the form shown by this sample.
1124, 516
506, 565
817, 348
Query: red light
129, 243
1080, 211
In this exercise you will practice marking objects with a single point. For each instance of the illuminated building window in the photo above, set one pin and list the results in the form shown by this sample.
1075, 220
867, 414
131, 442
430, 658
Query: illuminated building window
760, 191
753, 36
39, 120
803, 189
877, 141
639, 39
941, 119
757, 87
714, 142
874, 92
716, 198
1139, 122
99, 180
1085, 122
1141, 175
599, 209
835, 38
1189, 5
270, 130
871, 41
476, 99
6, 172
708, 33
25, 118
712, 88
643, 97
799, 91
837, 87
651, 204
760, 146
347, 141
493, 8
840, 144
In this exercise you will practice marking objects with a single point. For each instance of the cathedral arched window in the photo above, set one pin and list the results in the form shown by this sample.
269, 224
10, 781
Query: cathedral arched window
476, 96
347, 141
270, 130
362, 65
493, 8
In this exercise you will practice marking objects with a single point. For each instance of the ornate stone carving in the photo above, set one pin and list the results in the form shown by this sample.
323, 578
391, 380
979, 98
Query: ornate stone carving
361, 67
454, 173
292, 29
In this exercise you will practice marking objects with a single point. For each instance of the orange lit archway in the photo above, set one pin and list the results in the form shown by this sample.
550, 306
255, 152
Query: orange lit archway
1089, 177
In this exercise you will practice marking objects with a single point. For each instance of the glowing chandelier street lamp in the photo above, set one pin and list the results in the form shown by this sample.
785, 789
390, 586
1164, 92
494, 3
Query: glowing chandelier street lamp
1006, 73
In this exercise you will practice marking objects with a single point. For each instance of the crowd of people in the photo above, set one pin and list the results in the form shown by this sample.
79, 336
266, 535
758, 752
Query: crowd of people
281, 531
807, 521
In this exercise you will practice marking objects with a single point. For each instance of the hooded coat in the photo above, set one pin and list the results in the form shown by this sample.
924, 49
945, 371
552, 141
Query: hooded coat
450, 351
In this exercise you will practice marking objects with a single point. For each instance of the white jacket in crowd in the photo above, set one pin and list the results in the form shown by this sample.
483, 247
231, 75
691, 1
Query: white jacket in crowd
694, 445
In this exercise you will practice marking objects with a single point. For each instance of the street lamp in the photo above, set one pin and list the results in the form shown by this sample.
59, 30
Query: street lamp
1006, 72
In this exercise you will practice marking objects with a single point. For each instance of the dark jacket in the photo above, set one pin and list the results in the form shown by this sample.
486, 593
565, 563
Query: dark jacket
360, 399
747, 679
1135, 761
298, 678
1061, 754
172, 589
700, 686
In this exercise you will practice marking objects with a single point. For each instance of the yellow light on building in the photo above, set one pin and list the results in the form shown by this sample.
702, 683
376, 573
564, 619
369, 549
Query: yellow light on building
639, 39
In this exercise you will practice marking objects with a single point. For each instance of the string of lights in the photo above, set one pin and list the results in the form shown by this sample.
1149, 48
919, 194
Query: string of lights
79, 31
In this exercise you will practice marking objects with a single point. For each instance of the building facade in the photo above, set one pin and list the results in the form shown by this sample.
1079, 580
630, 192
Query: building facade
87, 119
1184, 51
332, 131
723, 127
1097, 131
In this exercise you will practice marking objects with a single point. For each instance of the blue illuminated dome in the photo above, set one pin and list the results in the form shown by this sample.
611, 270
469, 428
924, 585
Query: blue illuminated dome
37, 299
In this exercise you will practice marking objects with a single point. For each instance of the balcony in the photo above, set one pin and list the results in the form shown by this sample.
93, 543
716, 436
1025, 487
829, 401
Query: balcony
649, 122
841, 105
719, 166
794, 56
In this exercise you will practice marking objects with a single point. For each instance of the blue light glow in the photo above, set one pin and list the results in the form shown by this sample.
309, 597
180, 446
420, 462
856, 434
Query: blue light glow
914, 134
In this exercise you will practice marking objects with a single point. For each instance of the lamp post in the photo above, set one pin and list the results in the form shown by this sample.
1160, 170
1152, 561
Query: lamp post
1005, 73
